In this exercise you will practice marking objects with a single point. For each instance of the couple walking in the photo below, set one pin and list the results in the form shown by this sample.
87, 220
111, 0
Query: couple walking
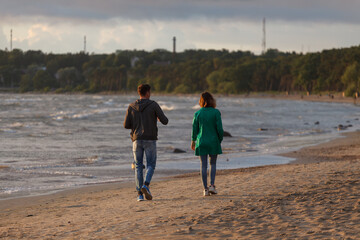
207, 134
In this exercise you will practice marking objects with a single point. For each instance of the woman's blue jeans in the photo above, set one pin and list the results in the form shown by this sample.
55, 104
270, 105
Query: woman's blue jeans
204, 164
139, 148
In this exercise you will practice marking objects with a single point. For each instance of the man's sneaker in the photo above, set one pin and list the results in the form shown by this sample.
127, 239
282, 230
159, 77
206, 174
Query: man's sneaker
206, 192
145, 190
140, 198
212, 189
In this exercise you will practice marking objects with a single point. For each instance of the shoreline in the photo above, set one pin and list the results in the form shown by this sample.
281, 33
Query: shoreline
333, 150
305, 155
329, 98
314, 197
162, 175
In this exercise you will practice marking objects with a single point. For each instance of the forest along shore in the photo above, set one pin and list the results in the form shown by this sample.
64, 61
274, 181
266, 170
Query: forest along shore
191, 71
316, 197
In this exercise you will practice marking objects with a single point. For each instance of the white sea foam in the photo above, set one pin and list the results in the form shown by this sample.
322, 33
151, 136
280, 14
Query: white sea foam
89, 160
110, 102
97, 97
168, 108
59, 116
7, 130
16, 125
10, 191
195, 107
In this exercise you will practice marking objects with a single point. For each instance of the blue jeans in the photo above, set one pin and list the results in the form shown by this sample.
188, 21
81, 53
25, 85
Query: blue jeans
204, 163
139, 148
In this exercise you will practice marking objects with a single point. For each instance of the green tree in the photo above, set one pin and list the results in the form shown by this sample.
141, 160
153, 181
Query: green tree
160, 84
69, 77
351, 79
132, 84
108, 79
42, 80
26, 83
307, 73
213, 81
10, 76
182, 88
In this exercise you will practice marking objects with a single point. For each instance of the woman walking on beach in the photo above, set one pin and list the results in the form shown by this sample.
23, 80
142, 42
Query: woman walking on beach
207, 134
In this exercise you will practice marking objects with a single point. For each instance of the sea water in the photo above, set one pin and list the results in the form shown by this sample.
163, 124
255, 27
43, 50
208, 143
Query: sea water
54, 142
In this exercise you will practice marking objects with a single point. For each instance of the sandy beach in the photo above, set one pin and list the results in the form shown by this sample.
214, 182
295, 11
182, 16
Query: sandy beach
315, 197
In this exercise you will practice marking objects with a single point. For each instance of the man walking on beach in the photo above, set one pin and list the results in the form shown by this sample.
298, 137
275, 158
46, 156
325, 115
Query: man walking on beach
141, 117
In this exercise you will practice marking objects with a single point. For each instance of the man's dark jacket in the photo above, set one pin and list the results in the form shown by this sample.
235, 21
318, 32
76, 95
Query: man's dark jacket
141, 117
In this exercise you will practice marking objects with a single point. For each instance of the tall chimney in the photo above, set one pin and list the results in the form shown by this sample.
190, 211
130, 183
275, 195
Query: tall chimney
85, 44
11, 33
264, 37
174, 45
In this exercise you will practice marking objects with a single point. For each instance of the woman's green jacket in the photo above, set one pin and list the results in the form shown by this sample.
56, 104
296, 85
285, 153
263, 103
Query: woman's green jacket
207, 131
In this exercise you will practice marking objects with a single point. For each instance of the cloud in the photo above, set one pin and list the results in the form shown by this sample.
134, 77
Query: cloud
112, 35
4, 43
250, 10
60, 26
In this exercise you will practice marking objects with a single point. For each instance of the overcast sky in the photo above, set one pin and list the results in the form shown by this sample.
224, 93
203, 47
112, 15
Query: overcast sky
59, 26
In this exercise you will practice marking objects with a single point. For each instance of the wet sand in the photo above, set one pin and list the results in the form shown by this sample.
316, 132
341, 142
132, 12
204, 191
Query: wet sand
315, 197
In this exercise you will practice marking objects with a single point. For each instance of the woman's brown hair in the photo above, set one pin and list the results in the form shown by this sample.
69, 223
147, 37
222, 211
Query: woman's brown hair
207, 100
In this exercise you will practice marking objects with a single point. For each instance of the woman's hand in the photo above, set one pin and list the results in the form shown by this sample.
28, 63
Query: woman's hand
193, 145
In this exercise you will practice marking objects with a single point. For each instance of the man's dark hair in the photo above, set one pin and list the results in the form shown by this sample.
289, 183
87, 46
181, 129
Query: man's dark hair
143, 89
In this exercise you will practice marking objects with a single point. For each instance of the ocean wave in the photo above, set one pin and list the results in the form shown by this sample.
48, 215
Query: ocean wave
7, 130
167, 108
306, 132
16, 125
53, 172
62, 115
109, 102
21, 100
55, 185
89, 160
195, 107
97, 97
11, 128
10, 191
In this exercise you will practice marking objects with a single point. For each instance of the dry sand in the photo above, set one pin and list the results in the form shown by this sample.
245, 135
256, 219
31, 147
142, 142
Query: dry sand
318, 197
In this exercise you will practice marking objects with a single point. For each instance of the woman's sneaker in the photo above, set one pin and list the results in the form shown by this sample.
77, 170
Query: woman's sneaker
212, 189
206, 192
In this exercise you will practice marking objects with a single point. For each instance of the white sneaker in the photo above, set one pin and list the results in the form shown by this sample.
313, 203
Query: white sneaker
212, 189
206, 192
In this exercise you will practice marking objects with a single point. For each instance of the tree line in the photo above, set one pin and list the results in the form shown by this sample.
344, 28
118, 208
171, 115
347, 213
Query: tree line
219, 71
